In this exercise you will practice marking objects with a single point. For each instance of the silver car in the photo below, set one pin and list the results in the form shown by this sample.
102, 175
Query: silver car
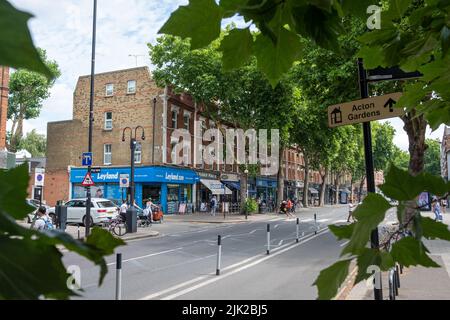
102, 210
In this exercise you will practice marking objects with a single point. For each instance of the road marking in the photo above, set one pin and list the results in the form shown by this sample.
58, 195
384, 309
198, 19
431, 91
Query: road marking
281, 242
323, 220
343, 244
253, 231
276, 226
207, 282
307, 220
147, 256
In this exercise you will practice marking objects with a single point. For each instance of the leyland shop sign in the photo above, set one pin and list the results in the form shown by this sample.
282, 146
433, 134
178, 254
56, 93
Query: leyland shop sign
370, 109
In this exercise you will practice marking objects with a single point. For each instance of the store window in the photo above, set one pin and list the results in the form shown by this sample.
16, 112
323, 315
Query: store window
138, 153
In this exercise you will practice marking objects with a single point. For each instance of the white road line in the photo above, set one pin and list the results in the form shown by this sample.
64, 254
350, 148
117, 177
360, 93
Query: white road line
323, 220
276, 226
253, 231
147, 256
187, 290
345, 243
307, 220
281, 242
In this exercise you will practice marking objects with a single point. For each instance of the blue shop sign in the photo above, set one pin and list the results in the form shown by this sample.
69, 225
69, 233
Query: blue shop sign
141, 174
266, 183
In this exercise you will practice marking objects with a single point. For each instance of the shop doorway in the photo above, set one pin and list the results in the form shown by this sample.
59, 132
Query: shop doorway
152, 192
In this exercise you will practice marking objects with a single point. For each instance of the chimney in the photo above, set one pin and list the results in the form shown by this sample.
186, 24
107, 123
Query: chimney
4, 90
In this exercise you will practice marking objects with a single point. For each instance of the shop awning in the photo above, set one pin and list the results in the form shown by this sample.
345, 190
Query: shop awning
313, 191
232, 184
215, 186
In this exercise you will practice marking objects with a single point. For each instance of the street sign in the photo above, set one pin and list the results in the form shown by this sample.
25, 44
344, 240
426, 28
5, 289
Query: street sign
86, 159
124, 180
96, 170
87, 181
39, 179
364, 110
394, 73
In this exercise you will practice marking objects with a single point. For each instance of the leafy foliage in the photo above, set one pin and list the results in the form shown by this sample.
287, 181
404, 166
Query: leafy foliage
16, 46
34, 143
432, 157
38, 270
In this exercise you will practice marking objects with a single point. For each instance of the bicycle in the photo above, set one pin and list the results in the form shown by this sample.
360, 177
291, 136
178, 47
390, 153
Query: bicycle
117, 226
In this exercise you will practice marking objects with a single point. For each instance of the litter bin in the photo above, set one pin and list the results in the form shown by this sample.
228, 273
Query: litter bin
61, 215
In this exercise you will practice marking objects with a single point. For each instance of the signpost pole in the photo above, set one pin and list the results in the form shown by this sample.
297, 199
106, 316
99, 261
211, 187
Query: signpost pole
91, 119
370, 178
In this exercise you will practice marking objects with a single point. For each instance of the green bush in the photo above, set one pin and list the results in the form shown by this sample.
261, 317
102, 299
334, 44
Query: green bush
251, 205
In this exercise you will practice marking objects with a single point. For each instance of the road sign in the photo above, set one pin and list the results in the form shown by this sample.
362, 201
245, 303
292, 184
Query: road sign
39, 178
86, 159
364, 110
394, 73
124, 180
96, 170
87, 181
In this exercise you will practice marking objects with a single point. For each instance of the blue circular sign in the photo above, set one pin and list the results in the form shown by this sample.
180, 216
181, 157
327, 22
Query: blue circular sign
124, 181
39, 177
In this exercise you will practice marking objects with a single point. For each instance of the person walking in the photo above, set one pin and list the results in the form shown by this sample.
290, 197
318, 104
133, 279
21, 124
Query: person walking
213, 205
437, 209
43, 221
351, 208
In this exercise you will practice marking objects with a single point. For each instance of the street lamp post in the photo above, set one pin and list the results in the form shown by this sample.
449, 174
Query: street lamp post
131, 212
153, 133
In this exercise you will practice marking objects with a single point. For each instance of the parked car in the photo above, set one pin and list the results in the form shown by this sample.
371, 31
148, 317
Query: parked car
102, 210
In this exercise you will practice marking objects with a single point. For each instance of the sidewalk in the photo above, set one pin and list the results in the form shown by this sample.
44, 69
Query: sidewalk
206, 217
416, 283
78, 232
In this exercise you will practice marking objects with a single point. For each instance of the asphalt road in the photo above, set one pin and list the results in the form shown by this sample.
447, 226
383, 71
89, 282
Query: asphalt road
181, 263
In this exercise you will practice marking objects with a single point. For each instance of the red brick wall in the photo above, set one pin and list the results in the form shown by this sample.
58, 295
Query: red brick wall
56, 186
4, 80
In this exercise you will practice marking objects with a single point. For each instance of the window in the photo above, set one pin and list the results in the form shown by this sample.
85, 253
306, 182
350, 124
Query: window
108, 121
186, 120
107, 154
174, 118
131, 88
138, 153
109, 89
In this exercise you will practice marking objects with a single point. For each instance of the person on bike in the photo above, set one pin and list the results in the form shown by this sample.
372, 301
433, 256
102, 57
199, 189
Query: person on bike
284, 209
123, 210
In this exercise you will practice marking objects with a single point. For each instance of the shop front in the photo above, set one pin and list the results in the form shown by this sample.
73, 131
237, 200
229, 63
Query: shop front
266, 190
166, 186
209, 185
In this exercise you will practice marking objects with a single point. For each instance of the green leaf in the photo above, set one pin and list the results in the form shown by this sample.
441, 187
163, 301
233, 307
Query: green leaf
237, 47
372, 56
29, 270
342, 232
397, 8
13, 192
372, 257
16, 45
331, 278
400, 185
276, 59
434, 230
369, 215
445, 40
411, 252
200, 21
434, 184
357, 7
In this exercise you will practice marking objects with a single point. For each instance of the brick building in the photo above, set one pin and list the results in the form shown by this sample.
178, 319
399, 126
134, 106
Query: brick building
130, 98
7, 159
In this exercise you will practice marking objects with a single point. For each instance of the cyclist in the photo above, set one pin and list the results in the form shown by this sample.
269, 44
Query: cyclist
123, 210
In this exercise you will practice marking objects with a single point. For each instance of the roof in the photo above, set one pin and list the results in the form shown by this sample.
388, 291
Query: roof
144, 68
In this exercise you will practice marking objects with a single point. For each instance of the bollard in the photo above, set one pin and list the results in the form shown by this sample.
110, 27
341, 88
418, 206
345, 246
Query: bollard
395, 281
268, 238
391, 285
398, 276
401, 269
315, 223
119, 276
78, 232
298, 221
219, 254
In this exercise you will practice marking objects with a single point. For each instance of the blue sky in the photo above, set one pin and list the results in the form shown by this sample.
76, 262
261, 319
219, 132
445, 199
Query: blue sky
124, 27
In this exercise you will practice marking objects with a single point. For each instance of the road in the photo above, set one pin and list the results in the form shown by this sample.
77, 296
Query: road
181, 263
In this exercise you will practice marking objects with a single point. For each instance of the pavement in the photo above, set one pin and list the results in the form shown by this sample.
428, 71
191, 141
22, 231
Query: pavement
416, 283
180, 263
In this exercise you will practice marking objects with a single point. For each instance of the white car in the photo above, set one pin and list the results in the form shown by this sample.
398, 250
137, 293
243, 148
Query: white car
102, 210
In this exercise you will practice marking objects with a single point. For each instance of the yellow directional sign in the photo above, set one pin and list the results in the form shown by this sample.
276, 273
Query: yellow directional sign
364, 110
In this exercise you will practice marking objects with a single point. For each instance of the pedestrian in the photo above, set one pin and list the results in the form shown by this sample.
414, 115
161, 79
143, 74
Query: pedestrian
437, 209
444, 205
213, 205
43, 221
123, 210
351, 207
289, 205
